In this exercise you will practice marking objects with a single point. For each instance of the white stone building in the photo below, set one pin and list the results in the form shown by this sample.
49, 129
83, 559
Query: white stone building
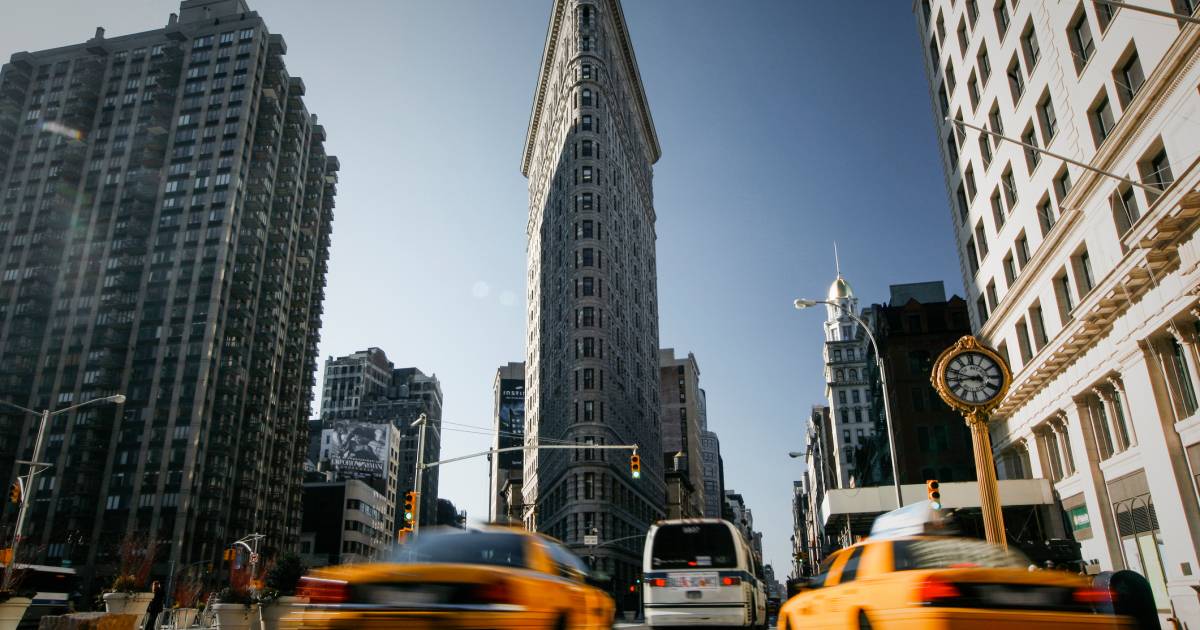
847, 386
1087, 284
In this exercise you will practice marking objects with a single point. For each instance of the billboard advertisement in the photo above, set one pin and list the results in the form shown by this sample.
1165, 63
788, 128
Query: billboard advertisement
356, 450
511, 421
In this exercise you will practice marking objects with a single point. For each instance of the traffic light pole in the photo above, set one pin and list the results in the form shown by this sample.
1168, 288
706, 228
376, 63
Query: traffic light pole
419, 473
29, 490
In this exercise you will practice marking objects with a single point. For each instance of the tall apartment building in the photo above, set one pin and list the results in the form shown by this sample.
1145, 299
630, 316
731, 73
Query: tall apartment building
505, 502
352, 379
164, 231
846, 381
591, 369
1087, 282
682, 404
365, 388
820, 475
711, 471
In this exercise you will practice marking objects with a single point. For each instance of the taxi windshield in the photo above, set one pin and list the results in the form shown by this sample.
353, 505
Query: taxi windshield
693, 546
953, 553
469, 547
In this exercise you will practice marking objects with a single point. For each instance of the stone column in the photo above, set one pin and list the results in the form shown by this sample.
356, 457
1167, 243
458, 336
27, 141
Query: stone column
1095, 491
1119, 396
1060, 425
1111, 420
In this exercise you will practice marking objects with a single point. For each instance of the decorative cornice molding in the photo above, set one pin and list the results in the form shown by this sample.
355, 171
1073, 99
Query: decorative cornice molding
631, 67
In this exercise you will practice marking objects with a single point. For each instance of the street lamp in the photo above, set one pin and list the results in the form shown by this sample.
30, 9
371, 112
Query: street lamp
802, 304
30, 489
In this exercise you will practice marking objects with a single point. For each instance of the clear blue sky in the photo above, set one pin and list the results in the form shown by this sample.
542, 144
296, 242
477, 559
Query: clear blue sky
785, 125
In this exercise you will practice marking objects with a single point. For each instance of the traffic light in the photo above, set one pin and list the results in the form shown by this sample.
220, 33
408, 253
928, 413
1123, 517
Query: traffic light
635, 466
935, 497
16, 491
410, 506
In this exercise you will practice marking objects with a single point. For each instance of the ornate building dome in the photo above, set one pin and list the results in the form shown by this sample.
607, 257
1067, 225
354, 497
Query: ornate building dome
840, 289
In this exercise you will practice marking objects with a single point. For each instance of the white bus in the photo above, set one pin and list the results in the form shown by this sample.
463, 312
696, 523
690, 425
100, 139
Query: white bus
701, 572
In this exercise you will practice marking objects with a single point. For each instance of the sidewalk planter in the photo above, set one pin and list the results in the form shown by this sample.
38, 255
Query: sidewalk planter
236, 616
11, 612
271, 614
129, 604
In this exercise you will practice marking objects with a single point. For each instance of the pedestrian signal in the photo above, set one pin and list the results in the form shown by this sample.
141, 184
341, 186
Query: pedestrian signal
410, 506
935, 497
635, 465
16, 491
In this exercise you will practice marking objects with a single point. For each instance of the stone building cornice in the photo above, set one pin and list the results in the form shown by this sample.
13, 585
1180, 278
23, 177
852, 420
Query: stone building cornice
539, 98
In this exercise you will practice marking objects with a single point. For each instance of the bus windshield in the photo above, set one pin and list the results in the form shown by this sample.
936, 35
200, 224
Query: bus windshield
693, 546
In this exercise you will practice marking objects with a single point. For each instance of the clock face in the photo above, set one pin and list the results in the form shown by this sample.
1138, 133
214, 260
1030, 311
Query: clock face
974, 378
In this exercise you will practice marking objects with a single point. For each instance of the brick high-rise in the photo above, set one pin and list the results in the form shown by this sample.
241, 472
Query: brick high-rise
592, 352
165, 213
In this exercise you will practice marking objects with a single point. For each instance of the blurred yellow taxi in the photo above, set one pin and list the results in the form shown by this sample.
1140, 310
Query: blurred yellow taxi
492, 578
935, 582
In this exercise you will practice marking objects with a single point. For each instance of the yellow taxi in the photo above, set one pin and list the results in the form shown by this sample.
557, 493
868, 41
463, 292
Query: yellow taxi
495, 577
935, 582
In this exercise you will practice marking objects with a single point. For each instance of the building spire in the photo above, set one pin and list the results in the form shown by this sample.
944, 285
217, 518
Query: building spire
837, 264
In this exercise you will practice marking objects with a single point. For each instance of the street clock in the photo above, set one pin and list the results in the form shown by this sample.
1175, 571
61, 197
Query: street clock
971, 377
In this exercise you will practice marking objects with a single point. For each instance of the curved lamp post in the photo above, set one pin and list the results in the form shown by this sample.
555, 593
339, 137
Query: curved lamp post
802, 304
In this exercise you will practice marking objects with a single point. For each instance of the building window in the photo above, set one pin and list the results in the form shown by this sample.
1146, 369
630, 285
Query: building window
1009, 185
1046, 117
1010, 270
1129, 78
1065, 296
1016, 80
993, 299
984, 63
1125, 210
1080, 36
996, 121
998, 209
981, 241
1083, 271
1029, 45
1046, 216
970, 180
586, 98
973, 90
1040, 338
1104, 14
981, 310
1181, 378
963, 38
1003, 20
963, 206
972, 256
1100, 427
1032, 155
1023, 341
1022, 249
1156, 171
1062, 185
1101, 118
985, 150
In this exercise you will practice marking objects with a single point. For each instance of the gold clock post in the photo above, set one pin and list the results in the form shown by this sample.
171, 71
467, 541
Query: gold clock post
976, 408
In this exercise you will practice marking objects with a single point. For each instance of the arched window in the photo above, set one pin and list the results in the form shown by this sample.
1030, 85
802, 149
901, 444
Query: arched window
839, 375
853, 375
